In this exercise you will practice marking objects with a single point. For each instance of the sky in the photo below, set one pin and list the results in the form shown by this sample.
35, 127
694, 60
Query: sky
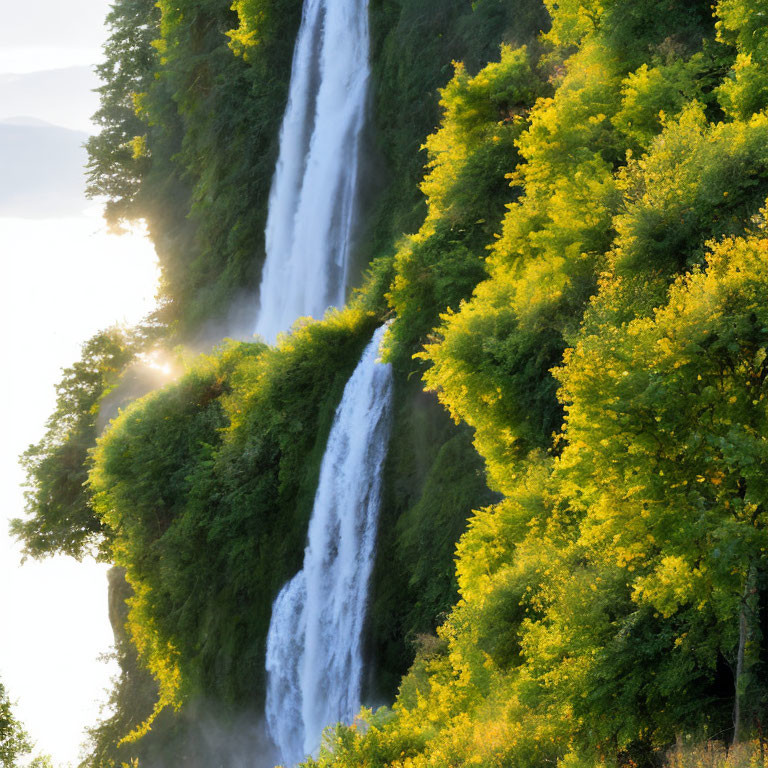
62, 278
61, 33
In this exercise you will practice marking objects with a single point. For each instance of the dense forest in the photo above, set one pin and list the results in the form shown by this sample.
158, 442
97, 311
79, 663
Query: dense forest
565, 226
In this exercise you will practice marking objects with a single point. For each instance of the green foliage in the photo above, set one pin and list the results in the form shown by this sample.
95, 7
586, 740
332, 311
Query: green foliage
117, 161
491, 360
433, 479
470, 156
697, 181
230, 108
683, 433
414, 44
490, 363
208, 486
649, 94
41, 761
14, 742
134, 694
740, 24
59, 515
630, 26
189, 138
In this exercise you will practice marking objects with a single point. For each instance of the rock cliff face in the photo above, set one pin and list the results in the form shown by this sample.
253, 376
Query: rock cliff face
118, 591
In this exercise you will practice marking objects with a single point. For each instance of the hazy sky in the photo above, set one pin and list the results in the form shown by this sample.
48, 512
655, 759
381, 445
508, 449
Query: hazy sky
61, 280
67, 28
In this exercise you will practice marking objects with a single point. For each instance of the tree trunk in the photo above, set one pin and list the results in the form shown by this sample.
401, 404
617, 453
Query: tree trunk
745, 614
740, 671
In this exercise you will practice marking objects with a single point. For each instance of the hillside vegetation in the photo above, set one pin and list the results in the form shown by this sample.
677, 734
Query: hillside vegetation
567, 230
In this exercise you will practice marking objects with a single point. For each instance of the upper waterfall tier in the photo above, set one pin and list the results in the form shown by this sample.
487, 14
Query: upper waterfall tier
313, 201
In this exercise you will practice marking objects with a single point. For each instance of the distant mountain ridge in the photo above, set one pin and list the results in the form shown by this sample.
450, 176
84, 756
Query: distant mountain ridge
60, 96
26, 120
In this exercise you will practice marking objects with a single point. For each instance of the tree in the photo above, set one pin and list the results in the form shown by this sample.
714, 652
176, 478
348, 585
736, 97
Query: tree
14, 742
59, 515
666, 422
117, 154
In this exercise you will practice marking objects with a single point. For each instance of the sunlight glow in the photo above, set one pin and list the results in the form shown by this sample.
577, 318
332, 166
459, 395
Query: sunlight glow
158, 361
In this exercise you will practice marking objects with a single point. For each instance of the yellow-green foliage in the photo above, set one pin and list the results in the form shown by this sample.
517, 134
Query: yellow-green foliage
491, 361
674, 401
698, 179
651, 93
741, 23
597, 598
141, 478
630, 26
14, 742
476, 111
465, 188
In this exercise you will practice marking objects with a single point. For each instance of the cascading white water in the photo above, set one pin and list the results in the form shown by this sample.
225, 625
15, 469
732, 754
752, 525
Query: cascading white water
314, 654
312, 205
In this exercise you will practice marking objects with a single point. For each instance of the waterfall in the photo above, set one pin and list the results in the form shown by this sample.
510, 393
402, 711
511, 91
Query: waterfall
314, 654
312, 205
